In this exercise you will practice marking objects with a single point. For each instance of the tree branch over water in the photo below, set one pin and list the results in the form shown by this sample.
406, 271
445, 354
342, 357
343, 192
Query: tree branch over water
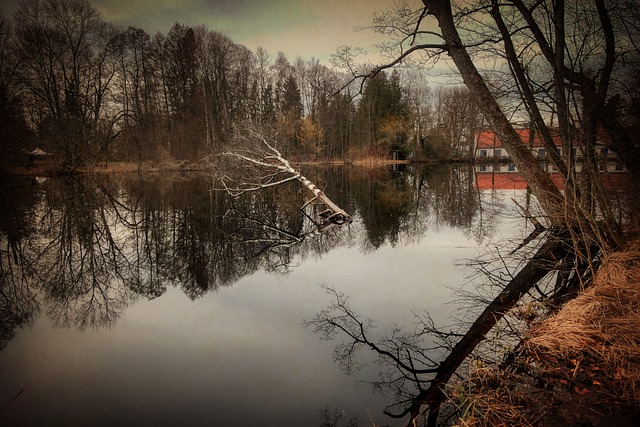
415, 373
257, 164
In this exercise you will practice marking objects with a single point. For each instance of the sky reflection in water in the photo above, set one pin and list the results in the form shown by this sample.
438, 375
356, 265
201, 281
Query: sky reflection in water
238, 355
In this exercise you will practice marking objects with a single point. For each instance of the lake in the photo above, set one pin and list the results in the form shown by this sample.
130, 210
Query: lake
156, 300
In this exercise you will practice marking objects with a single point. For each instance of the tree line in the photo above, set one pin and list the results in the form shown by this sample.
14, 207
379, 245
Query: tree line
87, 90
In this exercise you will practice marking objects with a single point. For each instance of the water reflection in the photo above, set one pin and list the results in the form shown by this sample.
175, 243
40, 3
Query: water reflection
78, 251
17, 298
84, 248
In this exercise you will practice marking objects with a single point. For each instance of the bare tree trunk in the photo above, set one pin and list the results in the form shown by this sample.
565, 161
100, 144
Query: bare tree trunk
268, 157
526, 91
541, 184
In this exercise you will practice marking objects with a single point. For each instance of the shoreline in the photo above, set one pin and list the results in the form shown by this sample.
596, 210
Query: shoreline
51, 169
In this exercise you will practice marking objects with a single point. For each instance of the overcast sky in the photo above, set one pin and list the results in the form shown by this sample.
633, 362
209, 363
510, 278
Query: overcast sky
305, 28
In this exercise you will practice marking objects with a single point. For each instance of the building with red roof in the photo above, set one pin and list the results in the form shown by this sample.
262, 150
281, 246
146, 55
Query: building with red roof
488, 147
488, 143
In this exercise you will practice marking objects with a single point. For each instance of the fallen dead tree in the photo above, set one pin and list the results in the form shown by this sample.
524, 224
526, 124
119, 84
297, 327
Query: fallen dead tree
256, 164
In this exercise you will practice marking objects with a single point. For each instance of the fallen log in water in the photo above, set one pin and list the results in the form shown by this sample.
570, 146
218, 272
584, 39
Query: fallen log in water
268, 159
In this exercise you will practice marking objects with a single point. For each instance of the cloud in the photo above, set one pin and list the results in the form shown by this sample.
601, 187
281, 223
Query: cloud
305, 28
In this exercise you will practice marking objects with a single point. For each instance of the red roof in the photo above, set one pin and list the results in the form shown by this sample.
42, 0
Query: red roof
489, 139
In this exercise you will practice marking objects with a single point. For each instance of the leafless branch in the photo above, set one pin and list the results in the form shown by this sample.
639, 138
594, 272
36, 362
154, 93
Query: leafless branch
262, 166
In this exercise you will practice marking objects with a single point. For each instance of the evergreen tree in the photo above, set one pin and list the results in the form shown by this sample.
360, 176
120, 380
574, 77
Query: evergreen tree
382, 115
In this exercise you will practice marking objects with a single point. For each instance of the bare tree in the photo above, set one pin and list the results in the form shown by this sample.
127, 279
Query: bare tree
457, 119
556, 59
418, 94
67, 67
258, 164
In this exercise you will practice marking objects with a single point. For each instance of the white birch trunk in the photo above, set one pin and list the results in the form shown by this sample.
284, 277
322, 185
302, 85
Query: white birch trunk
271, 158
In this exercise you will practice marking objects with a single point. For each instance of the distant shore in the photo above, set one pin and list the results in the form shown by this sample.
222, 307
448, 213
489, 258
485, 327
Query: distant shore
50, 168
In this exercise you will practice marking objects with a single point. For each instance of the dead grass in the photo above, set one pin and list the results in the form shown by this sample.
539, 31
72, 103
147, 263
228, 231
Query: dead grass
487, 398
373, 161
52, 168
144, 167
602, 325
580, 366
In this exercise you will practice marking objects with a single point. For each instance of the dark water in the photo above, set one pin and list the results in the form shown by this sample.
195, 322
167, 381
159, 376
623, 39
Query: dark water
156, 301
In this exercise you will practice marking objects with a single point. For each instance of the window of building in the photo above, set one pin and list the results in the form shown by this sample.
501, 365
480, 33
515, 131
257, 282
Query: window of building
496, 168
511, 167
619, 166
483, 153
483, 168
604, 151
542, 152
497, 152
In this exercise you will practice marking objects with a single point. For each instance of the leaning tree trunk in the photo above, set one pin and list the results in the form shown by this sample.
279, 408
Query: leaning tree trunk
547, 193
268, 157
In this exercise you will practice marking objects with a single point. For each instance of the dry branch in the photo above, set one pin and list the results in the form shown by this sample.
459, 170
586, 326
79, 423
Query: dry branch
264, 166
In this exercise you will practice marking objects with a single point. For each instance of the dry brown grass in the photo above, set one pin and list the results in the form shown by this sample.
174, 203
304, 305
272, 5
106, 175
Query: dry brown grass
149, 167
110, 167
581, 366
488, 398
377, 162
602, 325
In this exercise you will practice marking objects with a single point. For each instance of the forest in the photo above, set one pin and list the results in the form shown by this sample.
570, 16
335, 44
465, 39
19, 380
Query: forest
86, 91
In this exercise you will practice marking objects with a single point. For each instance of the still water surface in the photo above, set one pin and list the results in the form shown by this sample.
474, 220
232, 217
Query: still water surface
156, 301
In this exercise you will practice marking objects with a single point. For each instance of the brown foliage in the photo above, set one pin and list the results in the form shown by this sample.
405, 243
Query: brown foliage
579, 366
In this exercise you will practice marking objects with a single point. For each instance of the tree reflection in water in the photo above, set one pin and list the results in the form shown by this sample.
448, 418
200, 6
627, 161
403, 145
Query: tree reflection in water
82, 249
416, 365
17, 296
79, 250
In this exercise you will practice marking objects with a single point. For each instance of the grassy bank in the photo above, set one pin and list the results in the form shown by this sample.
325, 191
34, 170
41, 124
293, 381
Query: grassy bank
579, 366
52, 168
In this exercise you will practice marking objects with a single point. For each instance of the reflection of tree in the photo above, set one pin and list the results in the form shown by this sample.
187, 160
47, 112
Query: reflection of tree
383, 199
265, 243
80, 257
179, 238
407, 361
17, 298
82, 249
417, 365
400, 206
454, 201
445, 197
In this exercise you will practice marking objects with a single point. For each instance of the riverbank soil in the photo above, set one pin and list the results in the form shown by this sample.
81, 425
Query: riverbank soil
578, 367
